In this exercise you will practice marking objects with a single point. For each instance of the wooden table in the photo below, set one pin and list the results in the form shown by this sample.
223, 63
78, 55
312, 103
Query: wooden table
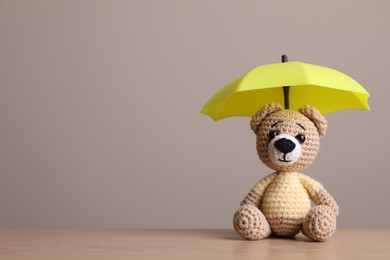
114, 244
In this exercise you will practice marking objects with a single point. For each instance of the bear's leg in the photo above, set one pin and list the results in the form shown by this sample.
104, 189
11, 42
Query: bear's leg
250, 223
320, 223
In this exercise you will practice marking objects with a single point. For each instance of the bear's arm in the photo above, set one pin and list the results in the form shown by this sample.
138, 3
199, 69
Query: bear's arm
256, 194
318, 193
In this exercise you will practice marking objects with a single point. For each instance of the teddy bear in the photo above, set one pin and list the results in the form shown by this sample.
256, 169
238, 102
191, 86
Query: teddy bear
280, 204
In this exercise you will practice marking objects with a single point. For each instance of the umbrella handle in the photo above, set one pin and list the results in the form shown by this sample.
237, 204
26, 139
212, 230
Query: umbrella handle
286, 89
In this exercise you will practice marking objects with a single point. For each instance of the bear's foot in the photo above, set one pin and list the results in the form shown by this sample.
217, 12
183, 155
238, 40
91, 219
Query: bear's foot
250, 223
320, 223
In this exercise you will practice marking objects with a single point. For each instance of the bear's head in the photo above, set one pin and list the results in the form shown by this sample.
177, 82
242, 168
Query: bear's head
288, 140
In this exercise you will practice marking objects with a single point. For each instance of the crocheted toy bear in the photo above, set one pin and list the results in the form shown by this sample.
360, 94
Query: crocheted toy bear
279, 204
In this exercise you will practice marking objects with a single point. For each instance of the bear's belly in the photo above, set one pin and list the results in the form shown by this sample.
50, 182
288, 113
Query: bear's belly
285, 204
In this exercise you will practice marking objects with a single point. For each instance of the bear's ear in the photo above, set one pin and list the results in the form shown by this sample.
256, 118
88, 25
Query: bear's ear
262, 113
316, 117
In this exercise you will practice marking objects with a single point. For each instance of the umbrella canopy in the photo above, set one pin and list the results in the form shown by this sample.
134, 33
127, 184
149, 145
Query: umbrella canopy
326, 89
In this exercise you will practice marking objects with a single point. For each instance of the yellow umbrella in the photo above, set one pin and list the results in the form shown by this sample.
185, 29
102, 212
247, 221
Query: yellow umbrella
293, 83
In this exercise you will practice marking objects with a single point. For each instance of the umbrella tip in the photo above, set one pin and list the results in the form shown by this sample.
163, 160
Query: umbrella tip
284, 58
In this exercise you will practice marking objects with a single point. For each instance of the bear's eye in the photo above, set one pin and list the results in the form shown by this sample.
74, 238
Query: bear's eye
300, 137
272, 134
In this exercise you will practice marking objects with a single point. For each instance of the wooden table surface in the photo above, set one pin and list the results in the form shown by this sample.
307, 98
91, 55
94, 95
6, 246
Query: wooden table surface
127, 244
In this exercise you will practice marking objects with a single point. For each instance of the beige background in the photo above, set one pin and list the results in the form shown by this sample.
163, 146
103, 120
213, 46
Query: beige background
100, 101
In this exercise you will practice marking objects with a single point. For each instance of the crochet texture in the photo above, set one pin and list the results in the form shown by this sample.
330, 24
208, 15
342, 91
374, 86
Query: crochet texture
280, 204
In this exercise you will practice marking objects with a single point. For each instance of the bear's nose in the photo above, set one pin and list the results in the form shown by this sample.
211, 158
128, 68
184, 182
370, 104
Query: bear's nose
284, 145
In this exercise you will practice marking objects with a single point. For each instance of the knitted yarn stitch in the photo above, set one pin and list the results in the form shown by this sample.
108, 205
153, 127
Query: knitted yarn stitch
280, 202
290, 121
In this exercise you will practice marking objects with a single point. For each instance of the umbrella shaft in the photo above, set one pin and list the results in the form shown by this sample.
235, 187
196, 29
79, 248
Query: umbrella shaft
286, 92
286, 89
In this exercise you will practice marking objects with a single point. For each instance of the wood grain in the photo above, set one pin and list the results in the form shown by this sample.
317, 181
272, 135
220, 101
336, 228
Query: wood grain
186, 244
